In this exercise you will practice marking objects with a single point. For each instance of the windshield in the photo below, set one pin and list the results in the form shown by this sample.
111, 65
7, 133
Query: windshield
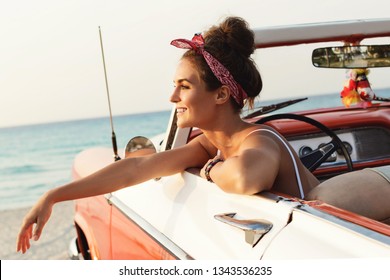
288, 73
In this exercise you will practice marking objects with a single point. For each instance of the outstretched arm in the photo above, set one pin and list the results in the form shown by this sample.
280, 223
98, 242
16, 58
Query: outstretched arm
123, 173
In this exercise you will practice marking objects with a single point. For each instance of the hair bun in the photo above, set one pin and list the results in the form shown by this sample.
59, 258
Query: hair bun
233, 33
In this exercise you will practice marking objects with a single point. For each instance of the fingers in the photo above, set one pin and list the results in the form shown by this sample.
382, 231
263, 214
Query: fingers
38, 215
23, 241
25, 245
38, 229
26, 233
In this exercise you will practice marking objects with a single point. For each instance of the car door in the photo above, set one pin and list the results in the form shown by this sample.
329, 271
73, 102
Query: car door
191, 218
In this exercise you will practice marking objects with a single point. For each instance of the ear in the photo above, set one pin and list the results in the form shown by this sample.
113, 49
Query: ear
223, 94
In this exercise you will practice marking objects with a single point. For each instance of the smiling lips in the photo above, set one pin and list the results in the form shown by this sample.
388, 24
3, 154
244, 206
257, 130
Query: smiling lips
180, 110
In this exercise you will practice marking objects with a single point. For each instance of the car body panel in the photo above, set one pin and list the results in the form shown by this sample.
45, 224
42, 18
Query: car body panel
139, 245
93, 216
322, 239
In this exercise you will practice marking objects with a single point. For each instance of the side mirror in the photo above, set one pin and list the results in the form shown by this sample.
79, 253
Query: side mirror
139, 146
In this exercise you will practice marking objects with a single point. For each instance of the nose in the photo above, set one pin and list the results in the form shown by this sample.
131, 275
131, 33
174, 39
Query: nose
175, 97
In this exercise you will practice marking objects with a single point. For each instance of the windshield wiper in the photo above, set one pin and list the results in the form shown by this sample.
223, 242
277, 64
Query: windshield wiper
270, 108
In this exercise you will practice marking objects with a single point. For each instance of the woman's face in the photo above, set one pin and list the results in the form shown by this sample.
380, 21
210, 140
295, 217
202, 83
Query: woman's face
194, 103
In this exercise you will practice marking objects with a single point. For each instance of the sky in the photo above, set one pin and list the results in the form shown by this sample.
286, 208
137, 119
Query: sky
50, 58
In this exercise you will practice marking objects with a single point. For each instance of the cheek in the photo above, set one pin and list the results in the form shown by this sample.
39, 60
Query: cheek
203, 111
191, 99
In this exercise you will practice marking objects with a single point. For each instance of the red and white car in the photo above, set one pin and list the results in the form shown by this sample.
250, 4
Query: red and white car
185, 217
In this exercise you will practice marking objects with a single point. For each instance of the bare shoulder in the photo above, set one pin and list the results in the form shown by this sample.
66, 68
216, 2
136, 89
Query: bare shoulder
202, 142
260, 137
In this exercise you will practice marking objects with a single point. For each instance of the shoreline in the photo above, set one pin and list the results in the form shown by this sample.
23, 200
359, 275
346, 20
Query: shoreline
54, 241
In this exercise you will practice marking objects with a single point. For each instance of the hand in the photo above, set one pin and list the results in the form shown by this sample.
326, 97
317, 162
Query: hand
39, 215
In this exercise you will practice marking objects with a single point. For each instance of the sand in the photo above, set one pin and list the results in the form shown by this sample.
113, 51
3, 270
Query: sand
54, 241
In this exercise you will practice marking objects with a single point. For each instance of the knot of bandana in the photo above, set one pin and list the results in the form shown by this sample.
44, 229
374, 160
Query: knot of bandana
221, 73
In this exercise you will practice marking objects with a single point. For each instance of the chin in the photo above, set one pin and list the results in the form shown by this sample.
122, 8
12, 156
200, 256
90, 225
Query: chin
184, 123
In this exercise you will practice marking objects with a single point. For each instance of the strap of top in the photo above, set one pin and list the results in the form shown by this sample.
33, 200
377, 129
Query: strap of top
291, 154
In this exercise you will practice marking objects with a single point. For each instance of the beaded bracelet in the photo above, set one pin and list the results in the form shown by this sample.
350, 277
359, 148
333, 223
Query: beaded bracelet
208, 168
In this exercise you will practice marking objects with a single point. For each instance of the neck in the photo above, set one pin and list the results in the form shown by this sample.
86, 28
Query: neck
224, 133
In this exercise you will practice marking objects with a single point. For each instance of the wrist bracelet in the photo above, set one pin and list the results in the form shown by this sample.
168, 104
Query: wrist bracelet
208, 168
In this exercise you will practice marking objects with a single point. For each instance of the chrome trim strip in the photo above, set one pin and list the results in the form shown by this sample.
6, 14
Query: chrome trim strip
156, 235
349, 225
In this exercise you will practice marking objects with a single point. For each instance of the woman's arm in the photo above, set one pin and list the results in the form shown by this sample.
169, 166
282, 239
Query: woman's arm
252, 170
123, 173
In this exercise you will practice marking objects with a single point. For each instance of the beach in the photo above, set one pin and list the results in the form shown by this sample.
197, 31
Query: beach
54, 241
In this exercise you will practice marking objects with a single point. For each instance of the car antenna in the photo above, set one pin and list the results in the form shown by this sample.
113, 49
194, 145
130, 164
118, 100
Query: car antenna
113, 136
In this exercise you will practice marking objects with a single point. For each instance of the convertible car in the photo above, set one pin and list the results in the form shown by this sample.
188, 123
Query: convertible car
339, 125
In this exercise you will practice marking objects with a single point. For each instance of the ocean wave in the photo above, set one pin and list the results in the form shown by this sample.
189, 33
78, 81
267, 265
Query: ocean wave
22, 169
13, 200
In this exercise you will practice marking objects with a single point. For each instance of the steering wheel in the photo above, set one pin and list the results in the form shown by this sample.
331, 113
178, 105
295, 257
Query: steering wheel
315, 158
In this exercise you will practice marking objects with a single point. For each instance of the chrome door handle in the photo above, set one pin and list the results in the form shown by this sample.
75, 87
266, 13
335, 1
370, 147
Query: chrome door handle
254, 229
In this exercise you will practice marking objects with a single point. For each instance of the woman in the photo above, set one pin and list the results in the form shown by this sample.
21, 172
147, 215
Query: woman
213, 81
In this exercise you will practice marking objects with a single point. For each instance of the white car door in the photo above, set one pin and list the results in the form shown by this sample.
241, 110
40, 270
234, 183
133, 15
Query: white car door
189, 212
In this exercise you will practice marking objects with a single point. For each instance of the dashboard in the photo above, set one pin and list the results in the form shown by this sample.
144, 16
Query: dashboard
364, 144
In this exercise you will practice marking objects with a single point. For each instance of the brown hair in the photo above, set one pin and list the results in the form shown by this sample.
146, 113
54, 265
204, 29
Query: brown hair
231, 43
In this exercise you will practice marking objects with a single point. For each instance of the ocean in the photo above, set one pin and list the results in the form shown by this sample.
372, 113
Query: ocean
35, 158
